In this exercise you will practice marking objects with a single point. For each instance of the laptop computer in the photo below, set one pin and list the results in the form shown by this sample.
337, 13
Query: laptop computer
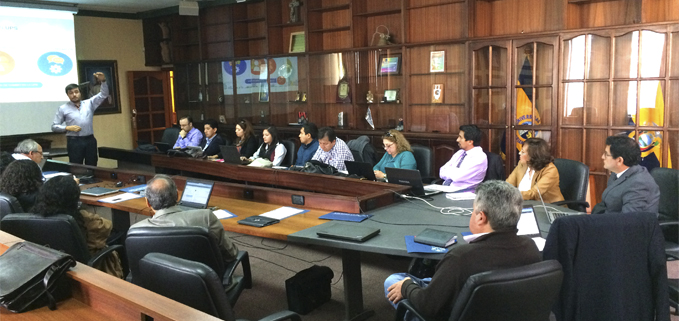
196, 194
410, 177
231, 155
98, 191
362, 169
347, 232
162, 147
528, 222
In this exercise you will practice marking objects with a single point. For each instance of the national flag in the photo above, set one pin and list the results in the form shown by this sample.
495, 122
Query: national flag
650, 142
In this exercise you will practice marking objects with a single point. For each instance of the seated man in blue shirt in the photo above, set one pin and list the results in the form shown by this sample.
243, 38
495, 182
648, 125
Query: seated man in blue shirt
308, 136
189, 135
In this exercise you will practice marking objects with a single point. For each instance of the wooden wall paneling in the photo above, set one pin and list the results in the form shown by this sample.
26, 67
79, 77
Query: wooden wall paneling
436, 21
153, 37
216, 26
673, 145
601, 14
369, 16
659, 10
185, 39
481, 23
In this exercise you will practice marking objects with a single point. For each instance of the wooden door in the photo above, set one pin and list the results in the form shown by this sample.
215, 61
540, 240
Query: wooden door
151, 104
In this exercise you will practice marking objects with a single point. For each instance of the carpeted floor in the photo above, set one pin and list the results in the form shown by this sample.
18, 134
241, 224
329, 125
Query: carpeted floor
273, 262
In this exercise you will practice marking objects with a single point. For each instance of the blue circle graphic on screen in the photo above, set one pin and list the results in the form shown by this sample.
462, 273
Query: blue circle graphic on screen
241, 67
55, 63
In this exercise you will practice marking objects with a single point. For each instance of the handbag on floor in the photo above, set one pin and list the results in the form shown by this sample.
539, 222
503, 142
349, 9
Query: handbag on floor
32, 276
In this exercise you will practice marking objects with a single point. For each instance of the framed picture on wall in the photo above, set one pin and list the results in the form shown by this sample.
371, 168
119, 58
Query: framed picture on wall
90, 86
437, 61
389, 65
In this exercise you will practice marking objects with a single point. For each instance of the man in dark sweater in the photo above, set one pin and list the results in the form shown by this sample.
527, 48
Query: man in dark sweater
494, 245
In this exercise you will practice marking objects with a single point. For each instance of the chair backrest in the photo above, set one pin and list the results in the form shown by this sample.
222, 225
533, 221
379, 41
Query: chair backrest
362, 150
290, 153
424, 160
622, 253
8, 205
186, 242
496, 167
170, 135
573, 180
668, 182
188, 282
523, 293
60, 232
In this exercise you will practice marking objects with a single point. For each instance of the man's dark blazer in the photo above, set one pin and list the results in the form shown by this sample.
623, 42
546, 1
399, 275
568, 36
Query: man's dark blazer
614, 267
213, 148
635, 191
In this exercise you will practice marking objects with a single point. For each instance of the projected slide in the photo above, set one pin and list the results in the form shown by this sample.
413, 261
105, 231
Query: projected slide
37, 55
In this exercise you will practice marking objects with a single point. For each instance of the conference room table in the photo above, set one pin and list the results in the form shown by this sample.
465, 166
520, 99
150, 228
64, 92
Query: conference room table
395, 221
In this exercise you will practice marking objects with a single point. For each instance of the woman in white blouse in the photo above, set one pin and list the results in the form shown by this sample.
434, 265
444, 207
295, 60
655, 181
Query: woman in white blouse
271, 148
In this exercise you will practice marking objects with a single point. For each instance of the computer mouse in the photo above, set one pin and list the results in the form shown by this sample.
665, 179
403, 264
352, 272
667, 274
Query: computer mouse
119, 184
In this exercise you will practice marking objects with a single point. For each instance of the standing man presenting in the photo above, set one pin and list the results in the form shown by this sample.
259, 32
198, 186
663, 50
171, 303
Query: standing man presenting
75, 119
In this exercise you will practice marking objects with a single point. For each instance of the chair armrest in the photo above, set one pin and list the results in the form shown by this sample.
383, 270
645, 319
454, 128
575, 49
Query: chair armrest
241, 258
404, 306
583, 203
668, 223
281, 315
101, 254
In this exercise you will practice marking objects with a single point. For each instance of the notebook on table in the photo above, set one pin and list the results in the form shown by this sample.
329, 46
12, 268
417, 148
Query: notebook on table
436, 237
196, 194
347, 232
258, 221
162, 147
362, 169
98, 191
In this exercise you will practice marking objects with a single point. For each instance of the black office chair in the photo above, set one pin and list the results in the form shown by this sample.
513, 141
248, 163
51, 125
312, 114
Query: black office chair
425, 162
524, 293
190, 243
573, 182
60, 232
614, 267
170, 135
290, 153
194, 284
668, 207
496, 167
8, 205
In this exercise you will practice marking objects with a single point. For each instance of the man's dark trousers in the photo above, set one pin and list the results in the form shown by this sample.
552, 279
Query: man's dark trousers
82, 148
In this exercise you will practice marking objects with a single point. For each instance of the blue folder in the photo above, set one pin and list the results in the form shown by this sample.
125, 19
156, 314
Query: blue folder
134, 189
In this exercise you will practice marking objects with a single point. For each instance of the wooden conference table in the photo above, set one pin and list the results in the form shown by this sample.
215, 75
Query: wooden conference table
395, 221
99, 296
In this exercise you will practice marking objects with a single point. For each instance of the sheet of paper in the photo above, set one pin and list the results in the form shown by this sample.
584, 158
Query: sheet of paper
441, 188
540, 242
461, 196
54, 174
283, 212
223, 214
120, 198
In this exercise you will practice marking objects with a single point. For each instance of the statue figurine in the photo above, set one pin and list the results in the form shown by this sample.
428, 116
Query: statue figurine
294, 4
304, 96
369, 97
297, 98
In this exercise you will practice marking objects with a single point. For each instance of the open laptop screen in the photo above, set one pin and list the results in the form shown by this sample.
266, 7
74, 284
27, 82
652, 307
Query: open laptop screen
196, 193
528, 223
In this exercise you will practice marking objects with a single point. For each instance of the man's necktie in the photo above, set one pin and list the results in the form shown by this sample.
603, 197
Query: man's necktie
461, 159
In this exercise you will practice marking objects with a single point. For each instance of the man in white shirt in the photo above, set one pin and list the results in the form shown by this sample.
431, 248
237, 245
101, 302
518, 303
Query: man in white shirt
28, 149
467, 168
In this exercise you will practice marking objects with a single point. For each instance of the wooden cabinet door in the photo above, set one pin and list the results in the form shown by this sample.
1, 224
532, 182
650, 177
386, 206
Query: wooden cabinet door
151, 104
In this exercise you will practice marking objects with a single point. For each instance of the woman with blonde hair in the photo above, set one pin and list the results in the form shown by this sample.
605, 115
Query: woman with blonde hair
397, 153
